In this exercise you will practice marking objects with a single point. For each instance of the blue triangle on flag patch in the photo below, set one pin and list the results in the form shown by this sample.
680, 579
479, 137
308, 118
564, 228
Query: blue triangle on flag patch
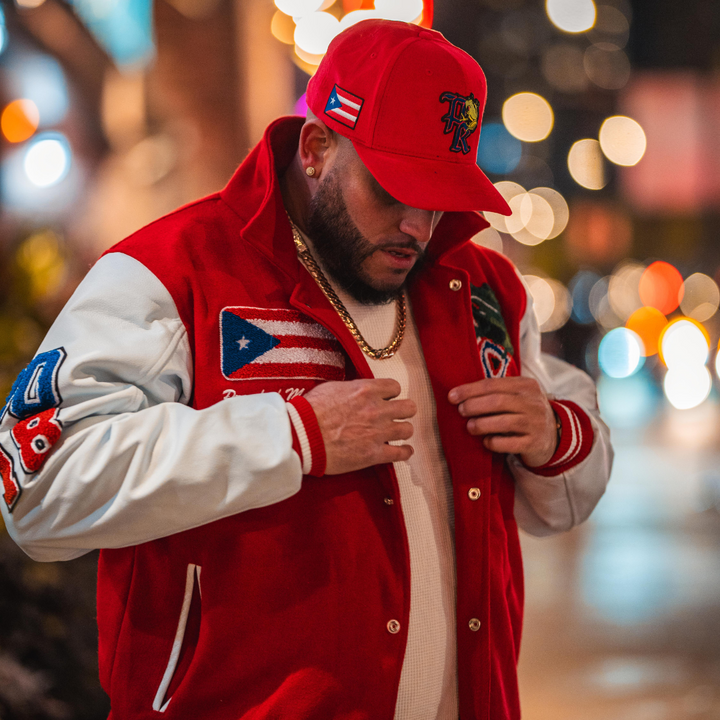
242, 342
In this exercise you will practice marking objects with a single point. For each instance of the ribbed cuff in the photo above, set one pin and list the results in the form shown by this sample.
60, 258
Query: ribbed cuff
575, 442
307, 439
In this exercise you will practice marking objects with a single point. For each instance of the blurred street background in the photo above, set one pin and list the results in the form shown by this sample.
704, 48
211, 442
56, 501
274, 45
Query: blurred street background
602, 130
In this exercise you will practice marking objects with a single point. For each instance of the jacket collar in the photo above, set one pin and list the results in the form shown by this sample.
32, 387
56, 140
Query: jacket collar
253, 193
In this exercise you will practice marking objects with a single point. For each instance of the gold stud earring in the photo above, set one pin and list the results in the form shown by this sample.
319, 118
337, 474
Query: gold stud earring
310, 171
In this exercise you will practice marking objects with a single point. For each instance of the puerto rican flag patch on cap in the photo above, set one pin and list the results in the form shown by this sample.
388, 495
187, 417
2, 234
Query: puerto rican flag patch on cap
277, 344
344, 107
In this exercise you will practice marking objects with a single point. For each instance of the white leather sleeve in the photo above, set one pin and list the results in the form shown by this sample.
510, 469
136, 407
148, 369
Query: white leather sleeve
549, 505
134, 462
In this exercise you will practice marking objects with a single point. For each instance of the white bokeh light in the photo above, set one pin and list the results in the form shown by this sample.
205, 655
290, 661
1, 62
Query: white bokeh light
572, 16
407, 10
298, 8
686, 388
620, 353
622, 140
315, 32
47, 160
684, 346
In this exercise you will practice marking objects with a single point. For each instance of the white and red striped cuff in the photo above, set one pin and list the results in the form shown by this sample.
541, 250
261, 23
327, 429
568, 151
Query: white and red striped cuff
308, 441
575, 441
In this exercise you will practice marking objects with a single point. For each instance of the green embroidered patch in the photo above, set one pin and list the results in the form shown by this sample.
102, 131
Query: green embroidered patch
488, 318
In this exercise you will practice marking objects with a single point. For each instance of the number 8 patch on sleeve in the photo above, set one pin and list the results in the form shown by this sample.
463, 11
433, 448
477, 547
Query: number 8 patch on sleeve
33, 401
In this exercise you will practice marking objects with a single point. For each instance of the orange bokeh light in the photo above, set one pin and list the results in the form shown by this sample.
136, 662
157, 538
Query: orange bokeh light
661, 287
648, 323
19, 120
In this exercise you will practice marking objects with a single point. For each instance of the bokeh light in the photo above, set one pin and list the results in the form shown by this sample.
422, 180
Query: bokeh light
551, 302
29, 4
489, 238
607, 66
19, 120
47, 160
298, 8
700, 297
661, 286
623, 290
314, 32
580, 287
648, 323
622, 140
686, 388
585, 162
508, 190
498, 151
532, 219
528, 117
559, 207
627, 403
600, 306
562, 66
621, 353
39, 78
684, 344
406, 10
572, 16
282, 27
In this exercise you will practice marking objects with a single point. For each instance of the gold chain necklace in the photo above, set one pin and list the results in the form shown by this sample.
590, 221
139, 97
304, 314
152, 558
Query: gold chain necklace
314, 269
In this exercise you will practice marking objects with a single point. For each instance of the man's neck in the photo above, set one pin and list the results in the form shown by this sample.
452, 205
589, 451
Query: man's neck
295, 193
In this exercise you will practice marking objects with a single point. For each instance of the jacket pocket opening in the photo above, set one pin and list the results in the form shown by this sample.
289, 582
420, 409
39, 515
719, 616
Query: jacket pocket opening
192, 580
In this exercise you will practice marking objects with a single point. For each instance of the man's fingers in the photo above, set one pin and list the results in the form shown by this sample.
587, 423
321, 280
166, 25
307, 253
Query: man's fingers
494, 424
400, 431
488, 386
491, 405
400, 409
396, 453
387, 388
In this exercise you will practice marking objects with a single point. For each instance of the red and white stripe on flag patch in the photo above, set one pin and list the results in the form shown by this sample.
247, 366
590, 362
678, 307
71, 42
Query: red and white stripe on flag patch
344, 107
277, 344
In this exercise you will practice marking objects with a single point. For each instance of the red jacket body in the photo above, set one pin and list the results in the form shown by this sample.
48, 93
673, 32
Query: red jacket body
290, 603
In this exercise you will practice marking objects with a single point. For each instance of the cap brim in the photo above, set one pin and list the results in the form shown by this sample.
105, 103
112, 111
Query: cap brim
433, 184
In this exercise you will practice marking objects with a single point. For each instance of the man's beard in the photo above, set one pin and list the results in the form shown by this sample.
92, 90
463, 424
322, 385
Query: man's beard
342, 249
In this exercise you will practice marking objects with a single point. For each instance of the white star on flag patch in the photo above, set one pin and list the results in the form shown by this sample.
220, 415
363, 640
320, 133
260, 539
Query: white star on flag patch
344, 107
277, 344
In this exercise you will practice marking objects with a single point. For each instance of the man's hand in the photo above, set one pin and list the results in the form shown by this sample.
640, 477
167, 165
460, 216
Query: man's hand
513, 414
358, 418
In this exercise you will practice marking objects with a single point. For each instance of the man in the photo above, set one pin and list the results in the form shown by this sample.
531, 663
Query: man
301, 416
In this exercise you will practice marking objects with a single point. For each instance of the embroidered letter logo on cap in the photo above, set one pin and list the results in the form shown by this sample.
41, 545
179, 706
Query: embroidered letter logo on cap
344, 106
461, 119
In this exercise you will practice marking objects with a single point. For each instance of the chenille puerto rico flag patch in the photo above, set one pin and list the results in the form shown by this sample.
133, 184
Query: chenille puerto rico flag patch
344, 107
277, 344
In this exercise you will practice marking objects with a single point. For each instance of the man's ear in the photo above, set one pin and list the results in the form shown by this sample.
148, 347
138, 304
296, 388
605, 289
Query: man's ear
317, 145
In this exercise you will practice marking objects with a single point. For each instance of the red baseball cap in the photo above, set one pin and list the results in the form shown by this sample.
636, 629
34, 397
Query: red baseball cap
412, 104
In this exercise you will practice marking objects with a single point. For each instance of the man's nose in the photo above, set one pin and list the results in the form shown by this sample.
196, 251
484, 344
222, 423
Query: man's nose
419, 223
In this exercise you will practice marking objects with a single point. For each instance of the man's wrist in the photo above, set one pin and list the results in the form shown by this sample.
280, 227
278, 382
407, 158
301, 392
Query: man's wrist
308, 442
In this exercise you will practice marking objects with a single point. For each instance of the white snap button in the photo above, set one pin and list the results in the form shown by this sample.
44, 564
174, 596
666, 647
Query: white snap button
474, 493
474, 624
393, 627
455, 284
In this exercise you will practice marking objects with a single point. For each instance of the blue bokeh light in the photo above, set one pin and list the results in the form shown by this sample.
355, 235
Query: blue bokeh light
621, 353
124, 29
580, 287
39, 78
628, 403
498, 151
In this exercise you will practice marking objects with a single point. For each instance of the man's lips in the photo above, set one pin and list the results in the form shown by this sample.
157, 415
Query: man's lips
400, 257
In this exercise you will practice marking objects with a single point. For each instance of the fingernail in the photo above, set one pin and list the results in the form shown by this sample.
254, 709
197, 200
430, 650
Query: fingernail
453, 396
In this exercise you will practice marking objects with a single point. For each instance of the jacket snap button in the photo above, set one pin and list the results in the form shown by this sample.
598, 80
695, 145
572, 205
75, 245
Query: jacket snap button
389, 501
455, 284
474, 624
393, 627
474, 493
